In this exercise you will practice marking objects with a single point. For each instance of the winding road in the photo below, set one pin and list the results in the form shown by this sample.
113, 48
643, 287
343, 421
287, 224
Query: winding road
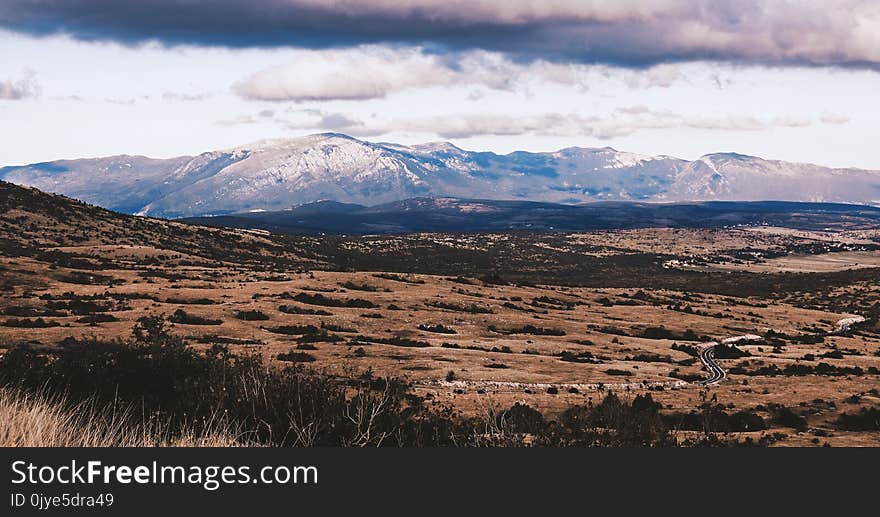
717, 374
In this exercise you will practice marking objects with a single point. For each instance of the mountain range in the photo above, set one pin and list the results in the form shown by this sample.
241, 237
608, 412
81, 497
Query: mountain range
276, 175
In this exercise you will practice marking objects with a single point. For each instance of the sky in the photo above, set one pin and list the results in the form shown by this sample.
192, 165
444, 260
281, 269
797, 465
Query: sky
794, 80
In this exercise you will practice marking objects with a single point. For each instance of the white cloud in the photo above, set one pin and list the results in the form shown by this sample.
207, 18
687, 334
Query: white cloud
357, 74
621, 122
26, 87
373, 72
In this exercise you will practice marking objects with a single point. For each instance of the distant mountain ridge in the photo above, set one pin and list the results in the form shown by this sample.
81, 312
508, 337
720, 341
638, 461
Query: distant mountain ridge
278, 174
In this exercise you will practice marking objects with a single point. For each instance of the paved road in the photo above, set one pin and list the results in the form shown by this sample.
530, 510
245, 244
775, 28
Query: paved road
717, 374
707, 357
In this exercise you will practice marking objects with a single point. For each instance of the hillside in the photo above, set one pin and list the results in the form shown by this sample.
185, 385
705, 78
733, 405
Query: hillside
71, 233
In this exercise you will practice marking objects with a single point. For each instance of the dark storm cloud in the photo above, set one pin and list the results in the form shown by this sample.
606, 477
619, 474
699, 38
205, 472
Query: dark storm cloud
618, 32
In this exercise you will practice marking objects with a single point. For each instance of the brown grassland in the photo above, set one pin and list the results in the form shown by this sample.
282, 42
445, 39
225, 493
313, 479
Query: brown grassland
471, 324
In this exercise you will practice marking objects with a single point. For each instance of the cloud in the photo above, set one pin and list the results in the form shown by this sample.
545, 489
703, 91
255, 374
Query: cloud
372, 72
184, 97
621, 122
358, 74
631, 33
24, 88
834, 119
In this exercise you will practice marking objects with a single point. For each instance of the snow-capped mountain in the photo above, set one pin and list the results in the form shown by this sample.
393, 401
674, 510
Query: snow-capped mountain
278, 174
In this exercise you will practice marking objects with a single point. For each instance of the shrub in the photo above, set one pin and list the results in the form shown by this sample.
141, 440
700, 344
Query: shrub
185, 301
396, 341
319, 337
439, 329
94, 319
336, 328
722, 351
787, 418
867, 419
471, 308
521, 418
399, 278
296, 357
295, 330
252, 315
320, 299
182, 317
30, 312
293, 309
580, 357
30, 323
529, 329
359, 287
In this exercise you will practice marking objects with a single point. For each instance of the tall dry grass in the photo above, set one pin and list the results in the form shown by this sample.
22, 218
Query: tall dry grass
28, 420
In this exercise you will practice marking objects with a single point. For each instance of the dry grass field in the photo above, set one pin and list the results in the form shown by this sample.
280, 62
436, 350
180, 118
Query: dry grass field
475, 323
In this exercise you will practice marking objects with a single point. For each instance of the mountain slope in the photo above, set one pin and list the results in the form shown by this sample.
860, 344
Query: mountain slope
277, 174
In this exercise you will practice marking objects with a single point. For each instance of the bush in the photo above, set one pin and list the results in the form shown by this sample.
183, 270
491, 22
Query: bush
472, 308
293, 309
320, 299
94, 319
664, 333
359, 287
867, 419
612, 422
787, 418
722, 351
294, 330
186, 301
182, 317
296, 357
253, 315
529, 329
396, 341
521, 418
581, 357
336, 328
399, 278
320, 337
30, 312
30, 323
439, 329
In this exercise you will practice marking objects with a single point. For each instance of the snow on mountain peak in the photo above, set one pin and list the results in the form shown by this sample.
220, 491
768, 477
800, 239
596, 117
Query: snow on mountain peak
279, 173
